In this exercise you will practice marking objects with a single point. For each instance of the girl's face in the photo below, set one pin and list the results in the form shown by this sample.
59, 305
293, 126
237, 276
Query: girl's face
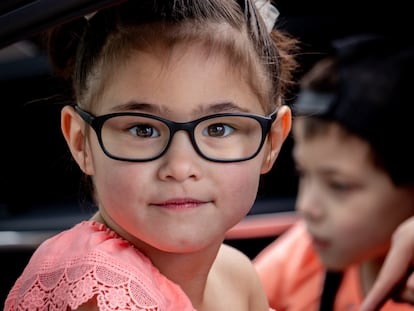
350, 207
179, 202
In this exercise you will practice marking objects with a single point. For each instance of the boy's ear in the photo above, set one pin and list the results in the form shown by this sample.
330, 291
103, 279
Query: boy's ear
277, 135
73, 130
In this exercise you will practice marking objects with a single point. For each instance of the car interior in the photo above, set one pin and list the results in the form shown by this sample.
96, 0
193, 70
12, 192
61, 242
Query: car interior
40, 185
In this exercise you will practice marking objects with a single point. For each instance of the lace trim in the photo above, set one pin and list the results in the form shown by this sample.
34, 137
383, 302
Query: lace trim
76, 284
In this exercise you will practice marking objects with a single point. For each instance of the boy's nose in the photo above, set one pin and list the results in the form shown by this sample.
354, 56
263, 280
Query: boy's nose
308, 202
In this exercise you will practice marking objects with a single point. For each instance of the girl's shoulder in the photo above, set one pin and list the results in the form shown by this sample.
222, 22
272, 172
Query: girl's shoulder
91, 261
234, 267
231, 258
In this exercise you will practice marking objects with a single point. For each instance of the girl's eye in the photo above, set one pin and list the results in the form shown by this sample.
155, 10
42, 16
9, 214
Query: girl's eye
144, 131
218, 130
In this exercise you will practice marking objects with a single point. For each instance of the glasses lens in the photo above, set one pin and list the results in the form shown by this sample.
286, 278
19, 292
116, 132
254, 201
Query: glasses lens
134, 137
222, 138
229, 137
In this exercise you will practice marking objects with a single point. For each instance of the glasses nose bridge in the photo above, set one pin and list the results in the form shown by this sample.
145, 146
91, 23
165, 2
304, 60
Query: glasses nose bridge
187, 127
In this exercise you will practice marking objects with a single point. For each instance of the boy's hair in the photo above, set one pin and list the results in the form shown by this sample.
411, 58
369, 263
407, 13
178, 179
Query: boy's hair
366, 87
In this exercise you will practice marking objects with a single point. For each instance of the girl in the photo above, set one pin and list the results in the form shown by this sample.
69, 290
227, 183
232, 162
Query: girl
177, 114
356, 177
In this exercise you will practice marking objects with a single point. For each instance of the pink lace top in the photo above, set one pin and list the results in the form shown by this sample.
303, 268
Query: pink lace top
90, 260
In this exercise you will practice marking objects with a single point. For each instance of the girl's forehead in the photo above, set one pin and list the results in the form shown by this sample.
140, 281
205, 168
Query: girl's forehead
182, 80
181, 61
186, 60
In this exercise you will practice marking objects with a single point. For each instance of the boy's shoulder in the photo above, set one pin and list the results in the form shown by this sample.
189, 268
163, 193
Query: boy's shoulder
294, 243
290, 270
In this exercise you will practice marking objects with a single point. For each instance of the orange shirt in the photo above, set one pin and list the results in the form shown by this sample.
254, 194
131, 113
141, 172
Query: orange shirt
293, 275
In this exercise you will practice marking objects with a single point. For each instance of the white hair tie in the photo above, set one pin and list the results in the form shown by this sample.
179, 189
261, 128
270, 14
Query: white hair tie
268, 12
89, 16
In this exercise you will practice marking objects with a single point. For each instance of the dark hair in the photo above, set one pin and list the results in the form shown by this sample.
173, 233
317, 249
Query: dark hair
366, 87
85, 47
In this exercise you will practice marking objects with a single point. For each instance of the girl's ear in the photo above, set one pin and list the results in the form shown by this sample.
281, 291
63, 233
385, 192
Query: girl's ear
277, 135
73, 129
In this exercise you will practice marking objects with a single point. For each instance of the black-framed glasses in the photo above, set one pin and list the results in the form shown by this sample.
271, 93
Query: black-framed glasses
140, 137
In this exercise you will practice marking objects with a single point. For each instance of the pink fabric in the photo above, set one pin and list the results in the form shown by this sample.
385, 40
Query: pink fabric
90, 260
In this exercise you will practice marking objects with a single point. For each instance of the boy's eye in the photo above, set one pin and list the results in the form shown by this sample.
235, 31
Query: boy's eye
339, 186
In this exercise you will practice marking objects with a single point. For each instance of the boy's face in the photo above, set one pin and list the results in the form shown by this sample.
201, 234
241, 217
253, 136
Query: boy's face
350, 206
180, 195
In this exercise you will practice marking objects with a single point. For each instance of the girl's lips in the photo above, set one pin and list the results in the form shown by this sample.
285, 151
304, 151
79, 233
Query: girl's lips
180, 203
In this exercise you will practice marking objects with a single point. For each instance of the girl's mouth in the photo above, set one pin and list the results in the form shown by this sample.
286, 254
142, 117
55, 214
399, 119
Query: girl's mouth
180, 203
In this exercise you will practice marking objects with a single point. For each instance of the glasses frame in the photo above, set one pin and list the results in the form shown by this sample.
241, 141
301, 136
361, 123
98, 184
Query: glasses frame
96, 122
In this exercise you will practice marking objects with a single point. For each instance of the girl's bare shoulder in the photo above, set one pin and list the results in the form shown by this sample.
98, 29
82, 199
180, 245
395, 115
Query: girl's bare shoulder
233, 265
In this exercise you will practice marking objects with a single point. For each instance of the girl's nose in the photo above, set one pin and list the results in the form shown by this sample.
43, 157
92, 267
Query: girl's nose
181, 161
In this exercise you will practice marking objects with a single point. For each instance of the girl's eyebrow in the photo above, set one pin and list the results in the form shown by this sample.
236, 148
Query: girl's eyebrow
202, 109
134, 105
221, 107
